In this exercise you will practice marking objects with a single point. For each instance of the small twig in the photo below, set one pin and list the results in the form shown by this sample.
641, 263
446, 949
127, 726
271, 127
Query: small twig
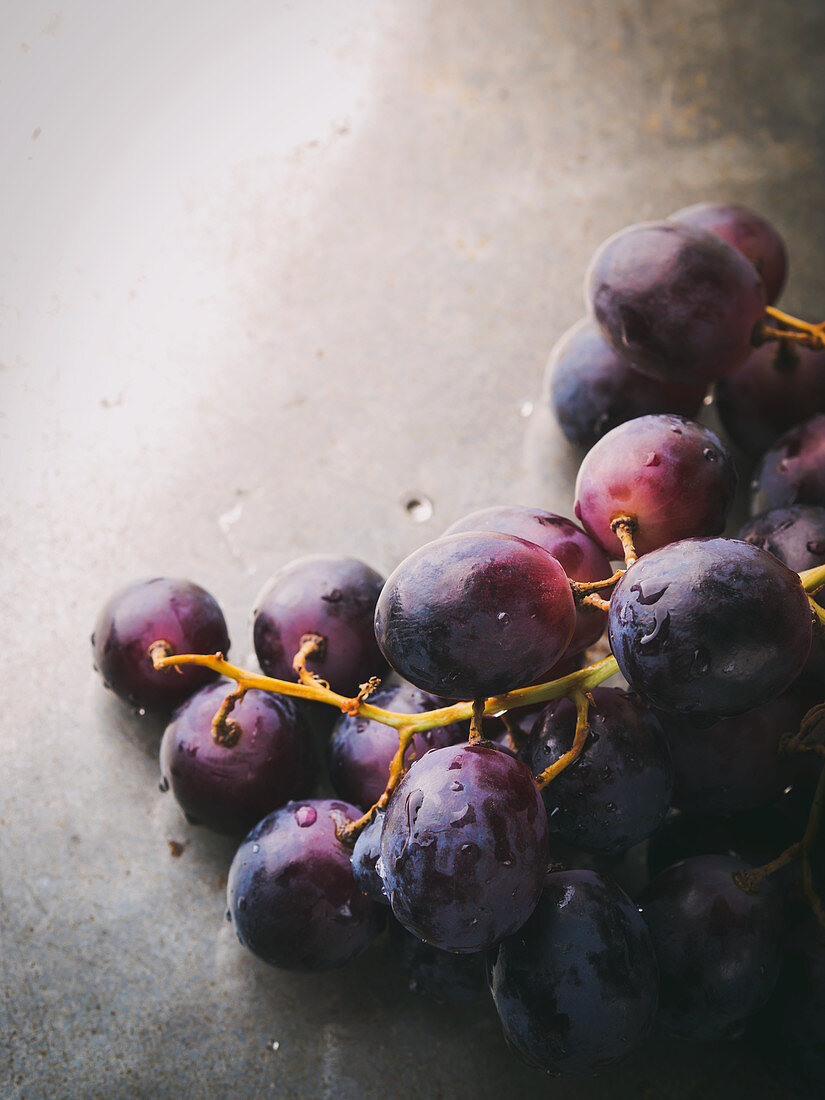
581, 589
476, 732
158, 652
594, 600
624, 528
348, 834
312, 645
352, 706
515, 733
223, 732
582, 701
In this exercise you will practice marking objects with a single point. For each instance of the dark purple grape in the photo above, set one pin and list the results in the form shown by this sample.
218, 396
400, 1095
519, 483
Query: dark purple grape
325, 595
576, 552
718, 948
672, 476
796, 536
749, 234
755, 837
710, 627
592, 389
179, 614
790, 1031
793, 470
735, 764
230, 788
618, 791
365, 856
779, 386
679, 302
291, 893
576, 988
464, 847
474, 615
360, 751
443, 976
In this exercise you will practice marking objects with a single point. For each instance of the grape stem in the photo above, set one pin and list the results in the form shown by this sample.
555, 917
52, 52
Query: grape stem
624, 528
812, 335
476, 732
813, 579
223, 732
312, 645
580, 589
582, 700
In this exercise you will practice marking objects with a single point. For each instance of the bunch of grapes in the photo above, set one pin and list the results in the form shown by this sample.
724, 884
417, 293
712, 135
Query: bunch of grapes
485, 780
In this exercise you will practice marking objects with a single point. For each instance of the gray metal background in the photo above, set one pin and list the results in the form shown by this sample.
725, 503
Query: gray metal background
267, 272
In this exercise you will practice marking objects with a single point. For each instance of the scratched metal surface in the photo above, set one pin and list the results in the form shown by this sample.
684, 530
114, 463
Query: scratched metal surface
269, 272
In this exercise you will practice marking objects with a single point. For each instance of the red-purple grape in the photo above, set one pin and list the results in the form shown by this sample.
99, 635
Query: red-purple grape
576, 552
325, 595
779, 386
680, 303
749, 234
464, 847
291, 893
474, 615
178, 613
593, 389
618, 791
360, 751
710, 627
793, 470
718, 948
365, 855
672, 476
577, 987
229, 788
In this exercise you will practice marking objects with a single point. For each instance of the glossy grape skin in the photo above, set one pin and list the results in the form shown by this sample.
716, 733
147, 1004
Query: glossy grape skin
735, 764
793, 470
464, 847
593, 389
365, 856
291, 893
709, 627
577, 987
178, 612
618, 791
718, 948
579, 556
749, 234
796, 536
230, 788
778, 386
679, 302
789, 1033
755, 837
474, 615
360, 751
326, 595
672, 476
443, 976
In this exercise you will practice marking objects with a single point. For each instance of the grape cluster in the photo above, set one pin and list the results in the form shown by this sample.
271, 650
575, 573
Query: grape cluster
485, 782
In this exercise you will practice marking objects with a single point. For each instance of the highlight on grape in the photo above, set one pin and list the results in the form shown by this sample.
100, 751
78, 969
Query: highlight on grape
481, 779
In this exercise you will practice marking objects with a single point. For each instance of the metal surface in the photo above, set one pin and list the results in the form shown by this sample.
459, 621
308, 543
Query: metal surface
269, 273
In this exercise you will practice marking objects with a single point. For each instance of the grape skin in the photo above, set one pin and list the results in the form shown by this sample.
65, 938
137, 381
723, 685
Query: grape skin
618, 791
579, 556
230, 788
365, 856
291, 893
718, 948
360, 751
175, 611
749, 234
709, 627
793, 470
679, 302
474, 615
593, 389
443, 976
325, 595
464, 847
672, 476
576, 989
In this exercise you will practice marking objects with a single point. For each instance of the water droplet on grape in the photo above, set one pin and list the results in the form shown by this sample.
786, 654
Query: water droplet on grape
242, 903
305, 816
660, 623
456, 786
815, 546
652, 459
256, 847
710, 454
503, 618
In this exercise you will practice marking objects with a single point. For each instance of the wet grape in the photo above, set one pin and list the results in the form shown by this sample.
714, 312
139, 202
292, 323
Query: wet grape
593, 389
443, 976
710, 627
793, 470
474, 615
672, 476
679, 302
365, 856
576, 988
181, 615
464, 847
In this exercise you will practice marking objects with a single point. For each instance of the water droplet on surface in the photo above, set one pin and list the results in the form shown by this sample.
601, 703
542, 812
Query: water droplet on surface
456, 786
256, 847
526, 409
227, 915
305, 816
275, 1045
419, 507
652, 459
